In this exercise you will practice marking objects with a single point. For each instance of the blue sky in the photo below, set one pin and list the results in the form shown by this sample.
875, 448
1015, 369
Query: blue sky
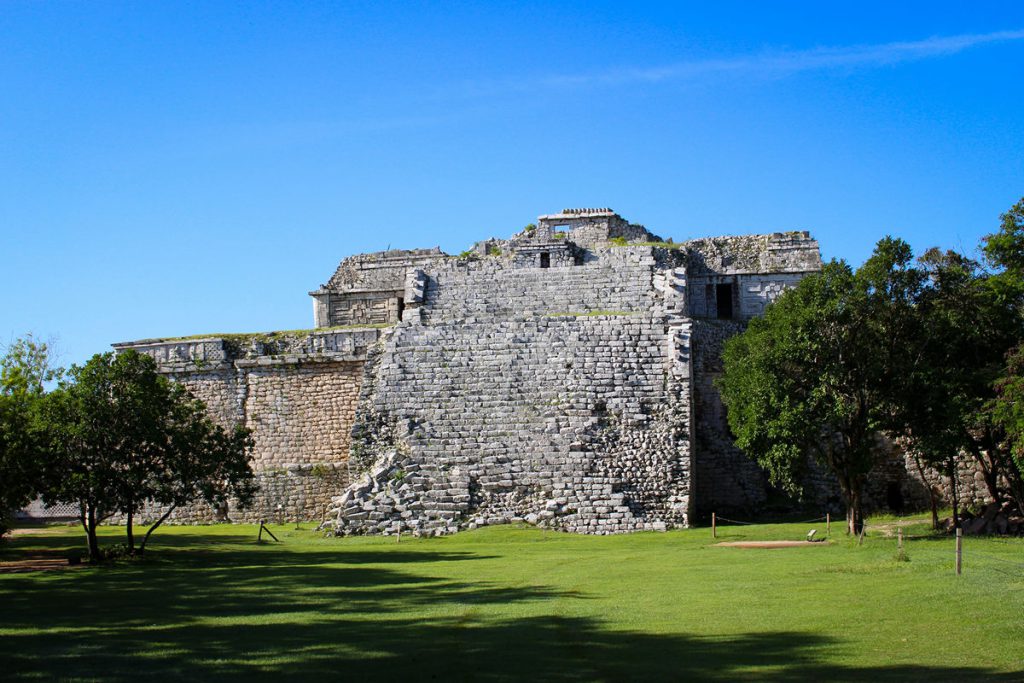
180, 168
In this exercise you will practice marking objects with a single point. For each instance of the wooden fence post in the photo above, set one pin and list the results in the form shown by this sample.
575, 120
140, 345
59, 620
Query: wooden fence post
828, 523
714, 529
959, 549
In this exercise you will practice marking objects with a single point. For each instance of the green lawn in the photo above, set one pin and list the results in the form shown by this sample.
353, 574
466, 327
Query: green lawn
517, 603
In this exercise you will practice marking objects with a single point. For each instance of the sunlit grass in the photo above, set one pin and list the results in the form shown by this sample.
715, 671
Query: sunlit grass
510, 603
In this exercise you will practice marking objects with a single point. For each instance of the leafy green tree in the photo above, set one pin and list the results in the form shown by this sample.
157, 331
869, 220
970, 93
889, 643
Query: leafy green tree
967, 325
1004, 253
205, 462
816, 374
25, 368
911, 349
19, 472
1004, 250
793, 385
1006, 409
119, 435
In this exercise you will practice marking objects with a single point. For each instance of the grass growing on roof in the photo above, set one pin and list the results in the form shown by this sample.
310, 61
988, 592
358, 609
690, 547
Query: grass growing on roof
509, 603
245, 336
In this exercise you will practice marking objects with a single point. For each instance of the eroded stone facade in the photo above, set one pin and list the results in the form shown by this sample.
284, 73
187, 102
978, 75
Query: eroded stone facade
563, 377
296, 391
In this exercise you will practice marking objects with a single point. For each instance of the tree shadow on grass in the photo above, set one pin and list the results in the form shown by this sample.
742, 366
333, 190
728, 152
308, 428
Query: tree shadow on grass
251, 582
244, 614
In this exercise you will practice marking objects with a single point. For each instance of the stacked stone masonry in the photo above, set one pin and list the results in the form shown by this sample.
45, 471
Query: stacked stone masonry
563, 377
298, 394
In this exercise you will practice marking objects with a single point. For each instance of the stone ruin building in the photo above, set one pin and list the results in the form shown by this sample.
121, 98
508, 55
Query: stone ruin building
563, 377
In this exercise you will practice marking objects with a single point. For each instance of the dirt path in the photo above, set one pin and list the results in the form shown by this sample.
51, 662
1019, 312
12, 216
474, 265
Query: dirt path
889, 528
38, 562
38, 531
772, 544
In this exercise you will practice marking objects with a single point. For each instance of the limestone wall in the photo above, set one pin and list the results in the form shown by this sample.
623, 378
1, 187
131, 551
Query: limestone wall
300, 412
750, 293
559, 377
368, 289
592, 228
517, 395
618, 279
780, 252
286, 494
567, 421
364, 308
726, 479
297, 392
757, 267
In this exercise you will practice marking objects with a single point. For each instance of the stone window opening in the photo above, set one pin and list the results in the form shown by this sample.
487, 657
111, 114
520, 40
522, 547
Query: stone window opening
401, 307
545, 259
723, 301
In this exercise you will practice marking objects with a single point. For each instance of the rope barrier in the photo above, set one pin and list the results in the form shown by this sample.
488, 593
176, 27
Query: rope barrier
972, 554
736, 521
808, 521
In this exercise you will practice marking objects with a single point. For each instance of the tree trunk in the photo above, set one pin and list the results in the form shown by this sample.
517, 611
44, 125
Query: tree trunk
986, 454
933, 495
145, 539
129, 530
90, 534
82, 518
935, 507
956, 494
1016, 492
850, 487
854, 513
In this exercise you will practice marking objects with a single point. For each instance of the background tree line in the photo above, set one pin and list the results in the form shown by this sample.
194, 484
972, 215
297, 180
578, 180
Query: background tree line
113, 437
927, 349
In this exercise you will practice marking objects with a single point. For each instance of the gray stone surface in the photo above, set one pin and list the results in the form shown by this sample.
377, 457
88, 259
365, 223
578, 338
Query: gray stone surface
296, 391
563, 377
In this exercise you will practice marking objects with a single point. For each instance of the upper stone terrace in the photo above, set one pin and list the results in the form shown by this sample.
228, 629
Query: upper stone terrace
725, 274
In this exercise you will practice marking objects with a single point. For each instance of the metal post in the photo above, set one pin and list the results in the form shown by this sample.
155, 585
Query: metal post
828, 523
899, 538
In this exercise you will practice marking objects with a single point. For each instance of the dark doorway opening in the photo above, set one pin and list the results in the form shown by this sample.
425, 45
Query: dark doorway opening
545, 259
723, 301
401, 307
894, 496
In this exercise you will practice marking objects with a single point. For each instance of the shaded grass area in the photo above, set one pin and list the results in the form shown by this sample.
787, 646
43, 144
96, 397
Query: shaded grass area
512, 603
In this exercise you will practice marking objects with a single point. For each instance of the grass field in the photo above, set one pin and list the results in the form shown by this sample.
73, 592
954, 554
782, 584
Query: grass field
508, 603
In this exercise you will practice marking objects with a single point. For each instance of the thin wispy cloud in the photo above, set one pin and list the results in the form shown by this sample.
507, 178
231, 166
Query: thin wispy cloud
434, 105
772, 63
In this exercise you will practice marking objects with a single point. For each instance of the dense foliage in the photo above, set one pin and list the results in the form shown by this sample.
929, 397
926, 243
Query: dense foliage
912, 348
119, 436
115, 437
25, 369
805, 379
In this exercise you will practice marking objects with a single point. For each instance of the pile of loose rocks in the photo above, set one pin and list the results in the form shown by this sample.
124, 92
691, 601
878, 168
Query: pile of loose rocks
993, 519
